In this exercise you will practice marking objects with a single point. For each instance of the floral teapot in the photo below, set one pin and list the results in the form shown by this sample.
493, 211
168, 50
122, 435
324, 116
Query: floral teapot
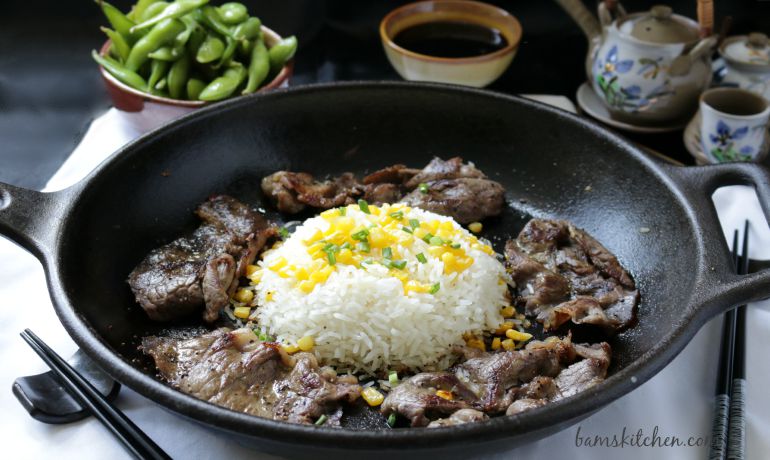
648, 68
747, 59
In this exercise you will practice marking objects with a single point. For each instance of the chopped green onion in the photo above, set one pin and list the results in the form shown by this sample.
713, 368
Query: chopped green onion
393, 378
435, 241
345, 245
343, 211
331, 247
364, 206
283, 233
421, 258
397, 215
367, 261
332, 258
427, 237
392, 419
321, 420
364, 247
434, 289
455, 246
423, 188
360, 235
414, 223
387, 253
399, 264
386, 263
407, 229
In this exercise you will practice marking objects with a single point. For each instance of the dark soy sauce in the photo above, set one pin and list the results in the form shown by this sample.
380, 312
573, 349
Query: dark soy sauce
450, 39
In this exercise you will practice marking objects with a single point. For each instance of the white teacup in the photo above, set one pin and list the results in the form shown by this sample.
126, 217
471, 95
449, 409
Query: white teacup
733, 125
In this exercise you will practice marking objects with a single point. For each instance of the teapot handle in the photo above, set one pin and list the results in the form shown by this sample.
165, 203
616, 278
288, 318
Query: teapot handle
609, 10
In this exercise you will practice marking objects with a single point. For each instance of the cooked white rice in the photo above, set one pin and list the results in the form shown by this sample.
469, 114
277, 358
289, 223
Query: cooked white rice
360, 317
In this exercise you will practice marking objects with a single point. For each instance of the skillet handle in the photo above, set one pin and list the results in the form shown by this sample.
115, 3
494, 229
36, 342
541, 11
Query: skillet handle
721, 288
31, 219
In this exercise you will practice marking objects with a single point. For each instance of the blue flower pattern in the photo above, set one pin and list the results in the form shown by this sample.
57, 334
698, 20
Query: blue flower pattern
725, 138
607, 74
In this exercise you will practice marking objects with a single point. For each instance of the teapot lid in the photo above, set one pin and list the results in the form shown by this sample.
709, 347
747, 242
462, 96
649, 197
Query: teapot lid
752, 49
659, 25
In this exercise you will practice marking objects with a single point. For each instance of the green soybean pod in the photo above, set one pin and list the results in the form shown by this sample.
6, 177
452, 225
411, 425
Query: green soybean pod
227, 55
210, 16
248, 29
174, 10
258, 68
118, 44
225, 85
128, 77
163, 33
245, 47
194, 88
119, 22
152, 10
177, 77
196, 39
167, 53
233, 13
158, 71
161, 85
281, 52
210, 50
138, 9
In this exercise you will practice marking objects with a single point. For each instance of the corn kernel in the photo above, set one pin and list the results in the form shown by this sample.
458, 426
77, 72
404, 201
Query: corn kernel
445, 394
278, 264
372, 396
318, 235
504, 327
507, 311
416, 286
286, 271
329, 213
475, 227
256, 277
321, 275
518, 336
508, 344
432, 226
301, 274
436, 251
306, 286
377, 238
306, 343
420, 232
244, 295
496, 343
290, 348
269, 296
446, 225
242, 312
345, 224
251, 269
345, 256
476, 343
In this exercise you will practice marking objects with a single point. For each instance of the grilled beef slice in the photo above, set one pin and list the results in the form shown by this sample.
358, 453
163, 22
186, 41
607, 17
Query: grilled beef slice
233, 369
200, 271
563, 274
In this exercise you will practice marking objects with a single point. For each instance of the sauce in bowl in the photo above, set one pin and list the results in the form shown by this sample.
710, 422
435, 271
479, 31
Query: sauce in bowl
451, 39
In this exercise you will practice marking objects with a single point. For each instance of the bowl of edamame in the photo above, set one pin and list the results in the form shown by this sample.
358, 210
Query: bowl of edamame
189, 53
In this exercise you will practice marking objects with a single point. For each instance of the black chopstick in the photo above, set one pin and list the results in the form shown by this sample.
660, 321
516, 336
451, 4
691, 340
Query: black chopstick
133, 438
736, 442
719, 428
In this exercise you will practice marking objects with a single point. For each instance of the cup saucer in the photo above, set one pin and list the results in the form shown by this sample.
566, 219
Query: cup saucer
691, 138
590, 103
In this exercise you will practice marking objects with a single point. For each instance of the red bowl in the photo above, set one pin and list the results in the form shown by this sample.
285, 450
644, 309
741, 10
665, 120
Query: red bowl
131, 99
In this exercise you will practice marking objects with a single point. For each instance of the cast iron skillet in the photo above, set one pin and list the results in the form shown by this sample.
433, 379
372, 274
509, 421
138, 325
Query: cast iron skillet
552, 164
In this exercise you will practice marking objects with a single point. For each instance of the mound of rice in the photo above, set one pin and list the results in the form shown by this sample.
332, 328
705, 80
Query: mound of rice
376, 290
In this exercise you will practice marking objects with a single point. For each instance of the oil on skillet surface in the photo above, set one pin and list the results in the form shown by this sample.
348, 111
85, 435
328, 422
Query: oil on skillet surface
545, 171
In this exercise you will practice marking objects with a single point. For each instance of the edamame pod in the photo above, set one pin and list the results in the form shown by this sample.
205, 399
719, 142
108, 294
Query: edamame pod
159, 70
138, 9
163, 32
210, 16
248, 29
194, 88
227, 55
210, 50
154, 9
258, 68
281, 52
167, 53
174, 10
119, 45
233, 13
225, 85
177, 77
119, 22
121, 73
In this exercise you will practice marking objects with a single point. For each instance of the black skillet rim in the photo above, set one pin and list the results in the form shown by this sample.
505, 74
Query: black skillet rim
557, 413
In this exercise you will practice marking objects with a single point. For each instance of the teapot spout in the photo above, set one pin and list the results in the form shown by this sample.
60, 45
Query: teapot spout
587, 22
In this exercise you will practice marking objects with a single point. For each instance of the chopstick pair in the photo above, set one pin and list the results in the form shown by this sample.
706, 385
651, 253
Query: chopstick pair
728, 431
133, 438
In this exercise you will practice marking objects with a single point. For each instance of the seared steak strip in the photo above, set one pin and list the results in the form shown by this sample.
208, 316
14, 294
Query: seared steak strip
563, 274
235, 370
200, 271
453, 189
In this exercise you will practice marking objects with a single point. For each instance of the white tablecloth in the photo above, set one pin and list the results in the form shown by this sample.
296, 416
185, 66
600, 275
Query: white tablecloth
677, 402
